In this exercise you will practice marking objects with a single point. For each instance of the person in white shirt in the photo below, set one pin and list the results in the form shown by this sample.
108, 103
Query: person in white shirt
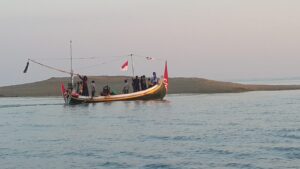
154, 79
126, 87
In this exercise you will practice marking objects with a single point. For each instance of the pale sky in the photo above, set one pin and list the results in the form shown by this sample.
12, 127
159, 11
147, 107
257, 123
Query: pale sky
214, 39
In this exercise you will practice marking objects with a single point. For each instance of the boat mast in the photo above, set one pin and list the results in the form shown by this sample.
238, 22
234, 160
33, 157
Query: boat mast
72, 79
132, 65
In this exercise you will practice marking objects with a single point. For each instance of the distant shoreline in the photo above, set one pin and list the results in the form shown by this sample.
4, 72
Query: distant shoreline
178, 85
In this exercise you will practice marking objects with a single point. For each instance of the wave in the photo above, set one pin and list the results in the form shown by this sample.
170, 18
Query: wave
291, 136
288, 152
239, 165
215, 151
287, 149
142, 156
175, 138
159, 165
289, 133
114, 165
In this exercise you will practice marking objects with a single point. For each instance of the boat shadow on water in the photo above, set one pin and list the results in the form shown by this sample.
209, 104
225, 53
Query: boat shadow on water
133, 102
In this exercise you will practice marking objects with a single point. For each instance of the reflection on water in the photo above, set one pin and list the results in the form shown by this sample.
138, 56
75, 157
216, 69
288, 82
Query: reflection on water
245, 130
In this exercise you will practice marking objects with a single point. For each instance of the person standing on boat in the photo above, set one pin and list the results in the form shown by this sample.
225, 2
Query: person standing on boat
126, 87
85, 90
80, 88
154, 79
137, 84
93, 86
143, 82
149, 84
132, 84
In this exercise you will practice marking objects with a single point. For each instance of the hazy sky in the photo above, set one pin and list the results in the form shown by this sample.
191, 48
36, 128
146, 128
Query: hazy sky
215, 39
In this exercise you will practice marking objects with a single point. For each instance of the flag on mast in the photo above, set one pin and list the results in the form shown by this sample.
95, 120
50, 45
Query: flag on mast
166, 77
124, 67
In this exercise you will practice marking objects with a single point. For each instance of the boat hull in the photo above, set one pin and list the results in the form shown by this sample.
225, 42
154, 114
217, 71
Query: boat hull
156, 92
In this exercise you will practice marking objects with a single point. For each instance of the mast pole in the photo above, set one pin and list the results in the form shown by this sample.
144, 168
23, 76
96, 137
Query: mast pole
132, 65
71, 57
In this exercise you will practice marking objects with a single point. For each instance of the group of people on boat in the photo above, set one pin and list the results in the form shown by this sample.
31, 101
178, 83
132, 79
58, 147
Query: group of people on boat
82, 86
141, 83
138, 84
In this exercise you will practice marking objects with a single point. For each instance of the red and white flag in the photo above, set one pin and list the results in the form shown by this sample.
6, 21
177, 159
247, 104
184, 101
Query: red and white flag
166, 77
124, 67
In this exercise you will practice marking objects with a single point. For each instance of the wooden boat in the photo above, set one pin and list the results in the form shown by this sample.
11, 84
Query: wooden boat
157, 92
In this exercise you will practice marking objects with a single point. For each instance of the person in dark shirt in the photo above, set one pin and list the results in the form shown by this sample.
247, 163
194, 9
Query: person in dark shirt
143, 82
133, 85
136, 84
93, 86
85, 90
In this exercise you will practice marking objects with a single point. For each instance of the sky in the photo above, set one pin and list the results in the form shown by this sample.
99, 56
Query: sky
214, 39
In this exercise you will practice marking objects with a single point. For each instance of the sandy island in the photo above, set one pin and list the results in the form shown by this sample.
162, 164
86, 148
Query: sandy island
51, 87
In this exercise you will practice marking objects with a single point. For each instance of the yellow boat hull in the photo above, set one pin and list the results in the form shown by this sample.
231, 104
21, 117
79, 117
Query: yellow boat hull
156, 92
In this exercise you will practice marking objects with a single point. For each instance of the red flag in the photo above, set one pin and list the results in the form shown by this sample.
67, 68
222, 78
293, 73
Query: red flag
64, 92
166, 77
124, 67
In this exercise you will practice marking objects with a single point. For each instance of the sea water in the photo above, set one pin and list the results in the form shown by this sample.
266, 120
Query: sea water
242, 130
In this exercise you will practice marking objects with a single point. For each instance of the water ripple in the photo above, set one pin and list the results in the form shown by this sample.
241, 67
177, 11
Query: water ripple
173, 138
114, 165
242, 166
159, 166
240, 131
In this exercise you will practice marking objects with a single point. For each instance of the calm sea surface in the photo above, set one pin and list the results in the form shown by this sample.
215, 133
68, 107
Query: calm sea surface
244, 130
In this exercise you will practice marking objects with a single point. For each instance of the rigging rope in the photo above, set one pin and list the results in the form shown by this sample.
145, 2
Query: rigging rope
95, 57
50, 67
78, 58
102, 63
115, 58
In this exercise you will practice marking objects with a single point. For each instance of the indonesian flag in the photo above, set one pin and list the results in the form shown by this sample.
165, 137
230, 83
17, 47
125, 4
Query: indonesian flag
166, 77
124, 67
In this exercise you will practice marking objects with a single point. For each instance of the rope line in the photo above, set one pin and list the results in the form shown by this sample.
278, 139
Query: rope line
50, 67
79, 58
102, 63
95, 57
115, 58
